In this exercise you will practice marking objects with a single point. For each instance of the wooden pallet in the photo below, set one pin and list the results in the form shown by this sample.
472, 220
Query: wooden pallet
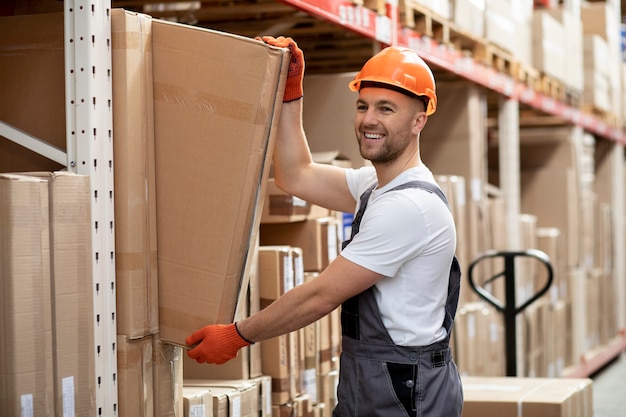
378, 6
418, 17
527, 75
497, 58
552, 87
608, 117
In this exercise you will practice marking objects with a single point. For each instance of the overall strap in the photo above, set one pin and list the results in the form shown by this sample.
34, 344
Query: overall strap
424, 185
356, 222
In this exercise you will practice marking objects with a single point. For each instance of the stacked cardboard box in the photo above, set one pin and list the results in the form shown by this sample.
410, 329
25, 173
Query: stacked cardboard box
603, 19
46, 319
549, 47
506, 397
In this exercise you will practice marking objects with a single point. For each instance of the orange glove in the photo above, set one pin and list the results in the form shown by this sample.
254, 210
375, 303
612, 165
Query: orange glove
295, 75
219, 343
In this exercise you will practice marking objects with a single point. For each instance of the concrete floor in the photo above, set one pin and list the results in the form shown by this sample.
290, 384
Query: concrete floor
609, 389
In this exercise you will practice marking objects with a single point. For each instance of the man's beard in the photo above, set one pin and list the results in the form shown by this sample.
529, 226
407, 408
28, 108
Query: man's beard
382, 155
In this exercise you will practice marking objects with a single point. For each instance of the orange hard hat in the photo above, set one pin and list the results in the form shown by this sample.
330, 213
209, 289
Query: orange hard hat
402, 69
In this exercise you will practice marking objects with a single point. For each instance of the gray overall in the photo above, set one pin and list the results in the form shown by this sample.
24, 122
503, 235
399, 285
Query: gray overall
380, 378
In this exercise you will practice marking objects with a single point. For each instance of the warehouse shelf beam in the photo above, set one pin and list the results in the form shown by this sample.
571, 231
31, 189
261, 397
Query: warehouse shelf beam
89, 137
33, 143
352, 16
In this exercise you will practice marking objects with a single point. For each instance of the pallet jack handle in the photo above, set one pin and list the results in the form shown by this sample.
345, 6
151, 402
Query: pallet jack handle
509, 308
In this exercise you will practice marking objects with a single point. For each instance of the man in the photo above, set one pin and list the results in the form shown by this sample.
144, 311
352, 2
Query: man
397, 278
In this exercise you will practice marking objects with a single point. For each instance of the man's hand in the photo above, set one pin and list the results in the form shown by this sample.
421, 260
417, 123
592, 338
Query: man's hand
218, 343
295, 75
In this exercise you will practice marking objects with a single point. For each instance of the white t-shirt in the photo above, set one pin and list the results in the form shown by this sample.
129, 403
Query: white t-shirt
409, 237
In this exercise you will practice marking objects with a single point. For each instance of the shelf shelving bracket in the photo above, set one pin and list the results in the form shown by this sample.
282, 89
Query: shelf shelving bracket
33, 143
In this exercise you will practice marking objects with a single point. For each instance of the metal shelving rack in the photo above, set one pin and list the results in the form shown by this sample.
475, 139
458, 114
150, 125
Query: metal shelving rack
89, 140
89, 133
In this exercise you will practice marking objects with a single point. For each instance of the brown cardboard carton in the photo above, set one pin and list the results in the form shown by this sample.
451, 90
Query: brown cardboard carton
69, 199
245, 404
318, 239
226, 402
197, 402
135, 377
72, 293
214, 135
275, 363
26, 362
133, 153
276, 272
265, 400
280, 207
520, 397
167, 360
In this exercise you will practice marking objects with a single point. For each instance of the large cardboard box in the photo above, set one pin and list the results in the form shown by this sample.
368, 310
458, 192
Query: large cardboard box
521, 397
280, 207
549, 45
167, 360
135, 377
317, 238
197, 402
500, 29
72, 293
133, 154
214, 134
469, 15
26, 360
246, 403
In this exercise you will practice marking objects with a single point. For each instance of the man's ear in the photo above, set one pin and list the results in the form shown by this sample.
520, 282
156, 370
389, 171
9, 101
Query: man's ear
420, 122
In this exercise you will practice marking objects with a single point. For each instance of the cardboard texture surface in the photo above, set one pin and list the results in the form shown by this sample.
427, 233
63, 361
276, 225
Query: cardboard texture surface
521, 397
135, 376
197, 402
238, 397
135, 197
72, 293
26, 361
214, 136
168, 378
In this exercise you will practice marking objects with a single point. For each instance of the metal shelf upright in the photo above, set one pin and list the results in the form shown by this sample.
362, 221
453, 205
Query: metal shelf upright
89, 133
